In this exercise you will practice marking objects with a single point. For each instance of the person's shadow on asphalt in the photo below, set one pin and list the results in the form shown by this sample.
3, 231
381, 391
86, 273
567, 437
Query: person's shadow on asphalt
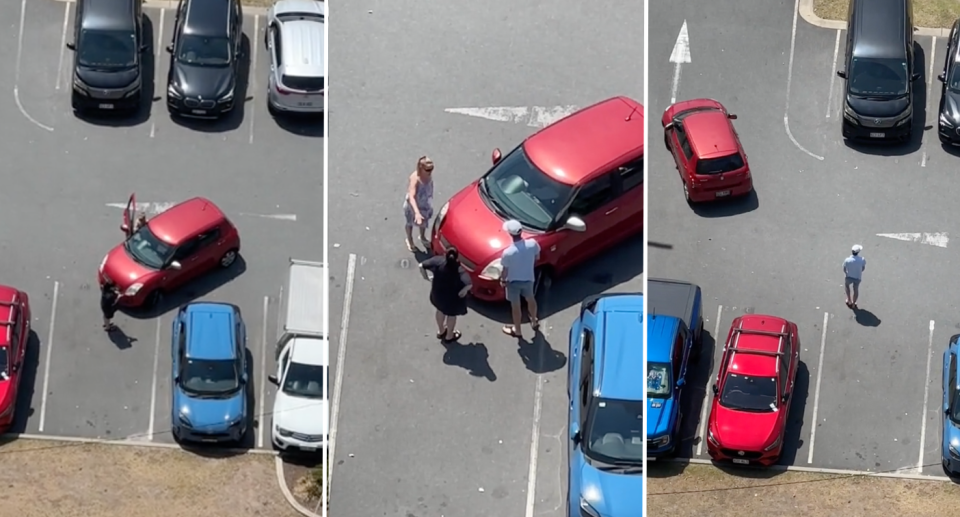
866, 318
538, 356
472, 357
120, 339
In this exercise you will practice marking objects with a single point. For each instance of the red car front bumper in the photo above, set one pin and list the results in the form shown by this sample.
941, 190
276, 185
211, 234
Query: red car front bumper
744, 457
483, 289
127, 301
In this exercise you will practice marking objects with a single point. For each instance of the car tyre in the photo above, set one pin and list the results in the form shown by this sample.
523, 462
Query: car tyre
686, 193
666, 141
229, 258
697, 351
153, 299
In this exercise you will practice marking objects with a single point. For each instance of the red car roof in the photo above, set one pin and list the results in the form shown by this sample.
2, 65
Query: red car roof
762, 362
7, 295
185, 220
710, 134
586, 143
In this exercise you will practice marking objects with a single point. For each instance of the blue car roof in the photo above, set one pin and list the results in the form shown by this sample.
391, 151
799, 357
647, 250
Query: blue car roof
661, 331
210, 331
619, 327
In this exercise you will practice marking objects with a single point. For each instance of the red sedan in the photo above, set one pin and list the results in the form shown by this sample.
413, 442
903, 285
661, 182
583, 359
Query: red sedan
14, 336
171, 249
576, 186
707, 150
751, 399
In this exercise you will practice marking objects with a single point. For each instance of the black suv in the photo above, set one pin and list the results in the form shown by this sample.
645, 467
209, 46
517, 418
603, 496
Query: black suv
205, 55
107, 64
878, 104
948, 126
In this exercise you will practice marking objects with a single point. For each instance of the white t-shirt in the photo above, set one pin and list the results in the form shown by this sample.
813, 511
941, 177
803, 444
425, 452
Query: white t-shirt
853, 266
520, 259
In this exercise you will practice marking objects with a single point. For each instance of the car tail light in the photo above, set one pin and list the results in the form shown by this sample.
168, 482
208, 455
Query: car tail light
283, 91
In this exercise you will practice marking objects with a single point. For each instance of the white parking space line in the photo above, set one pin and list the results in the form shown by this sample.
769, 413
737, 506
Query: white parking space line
341, 356
535, 433
786, 109
16, 73
46, 362
255, 43
153, 384
156, 74
701, 432
263, 372
816, 394
926, 400
63, 42
833, 73
932, 59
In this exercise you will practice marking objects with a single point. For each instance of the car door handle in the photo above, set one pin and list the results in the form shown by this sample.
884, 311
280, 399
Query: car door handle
612, 210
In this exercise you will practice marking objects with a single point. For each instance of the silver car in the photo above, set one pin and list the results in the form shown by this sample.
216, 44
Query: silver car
295, 42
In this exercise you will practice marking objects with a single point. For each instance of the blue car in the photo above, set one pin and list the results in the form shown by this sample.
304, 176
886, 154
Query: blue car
209, 374
605, 388
950, 448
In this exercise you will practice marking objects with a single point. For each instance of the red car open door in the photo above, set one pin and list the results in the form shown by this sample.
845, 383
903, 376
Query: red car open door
129, 216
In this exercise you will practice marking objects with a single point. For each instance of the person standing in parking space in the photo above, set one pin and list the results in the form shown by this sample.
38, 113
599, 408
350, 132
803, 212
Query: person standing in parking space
109, 297
418, 202
853, 268
518, 276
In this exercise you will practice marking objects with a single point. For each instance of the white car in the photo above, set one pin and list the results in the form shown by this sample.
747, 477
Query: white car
294, 39
300, 410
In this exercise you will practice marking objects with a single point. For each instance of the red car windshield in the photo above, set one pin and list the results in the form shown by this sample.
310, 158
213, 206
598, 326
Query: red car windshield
749, 393
147, 249
517, 189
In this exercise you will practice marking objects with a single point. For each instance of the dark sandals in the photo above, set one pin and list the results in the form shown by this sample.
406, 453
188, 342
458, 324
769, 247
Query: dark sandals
512, 332
456, 337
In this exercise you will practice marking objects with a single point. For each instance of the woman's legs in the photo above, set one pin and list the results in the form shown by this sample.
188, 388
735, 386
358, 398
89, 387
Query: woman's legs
451, 324
409, 230
441, 323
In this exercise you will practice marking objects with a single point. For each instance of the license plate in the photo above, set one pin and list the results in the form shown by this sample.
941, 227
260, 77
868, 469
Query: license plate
199, 112
741, 462
209, 440
723, 193
308, 449
305, 104
649, 459
877, 135
106, 106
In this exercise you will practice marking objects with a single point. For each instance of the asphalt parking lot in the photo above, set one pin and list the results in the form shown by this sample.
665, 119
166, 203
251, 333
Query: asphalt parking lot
866, 397
62, 175
467, 430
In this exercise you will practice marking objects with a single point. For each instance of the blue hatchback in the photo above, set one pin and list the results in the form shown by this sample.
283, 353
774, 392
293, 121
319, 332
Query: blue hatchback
209, 374
950, 448
605, 386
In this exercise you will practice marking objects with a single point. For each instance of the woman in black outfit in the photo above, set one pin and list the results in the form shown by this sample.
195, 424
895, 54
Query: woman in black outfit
448, 292
109, 296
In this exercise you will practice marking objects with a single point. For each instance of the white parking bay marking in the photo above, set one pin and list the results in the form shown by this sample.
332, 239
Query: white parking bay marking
254, 42
46, 362
701, 432
679, 56
63, 42
938, 239
926, 399
263, 372
338, 379
153, 384
833, 73
816, 393
535, 433
786, 109
156, 52
932, 58
533, 116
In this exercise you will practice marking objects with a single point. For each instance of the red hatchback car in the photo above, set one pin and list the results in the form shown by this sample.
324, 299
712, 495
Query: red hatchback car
14, 336
751, 399
707, 150
576, 186
173, 248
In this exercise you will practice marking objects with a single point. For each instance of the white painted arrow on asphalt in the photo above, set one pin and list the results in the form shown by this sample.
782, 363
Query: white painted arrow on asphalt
679, 57
939, 239
152, 209
533, 116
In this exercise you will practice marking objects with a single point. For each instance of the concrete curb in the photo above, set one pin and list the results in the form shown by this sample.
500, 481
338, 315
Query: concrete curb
131, 441
806, 12
282, 481
813, 470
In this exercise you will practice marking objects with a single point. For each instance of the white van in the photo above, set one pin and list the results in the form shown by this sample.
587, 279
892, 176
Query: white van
301, 410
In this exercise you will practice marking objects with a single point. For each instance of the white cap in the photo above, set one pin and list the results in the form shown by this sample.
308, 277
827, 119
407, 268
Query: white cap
857, 248
513, 227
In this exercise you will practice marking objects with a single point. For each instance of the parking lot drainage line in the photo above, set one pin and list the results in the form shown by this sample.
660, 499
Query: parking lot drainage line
814, 470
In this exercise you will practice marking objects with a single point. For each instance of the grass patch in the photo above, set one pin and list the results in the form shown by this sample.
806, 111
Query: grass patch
697, 490
937, 14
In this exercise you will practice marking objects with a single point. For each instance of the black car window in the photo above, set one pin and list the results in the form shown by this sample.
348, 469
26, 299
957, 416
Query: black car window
108, 50
204, 51
209, 237
4, 363
631, 175
877, 77
592, 196
304, 380
277, 46
721, 165
187, 249
749, 393
302, 83
952, 392
684, 142
953, 81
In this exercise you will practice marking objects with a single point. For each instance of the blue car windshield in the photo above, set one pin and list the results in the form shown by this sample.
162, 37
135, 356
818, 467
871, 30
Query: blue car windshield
147, 249
209, 378
615, 432
517, 189
658, 381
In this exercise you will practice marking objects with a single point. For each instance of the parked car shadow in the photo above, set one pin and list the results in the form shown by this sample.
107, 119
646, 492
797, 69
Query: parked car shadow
602, 273
249, 440
919, 117
728, 207
699, 380
234, 118
665, 469
148, 79
28, 379
195, 289
792, 439
472, 357
303, 125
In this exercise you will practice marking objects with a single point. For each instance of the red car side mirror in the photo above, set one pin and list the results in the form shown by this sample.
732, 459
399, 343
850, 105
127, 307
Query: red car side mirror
732, 116
496, 156
124, 228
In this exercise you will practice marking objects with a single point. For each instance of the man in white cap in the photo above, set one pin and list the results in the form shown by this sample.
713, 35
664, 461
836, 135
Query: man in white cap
519, 262
853, 268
